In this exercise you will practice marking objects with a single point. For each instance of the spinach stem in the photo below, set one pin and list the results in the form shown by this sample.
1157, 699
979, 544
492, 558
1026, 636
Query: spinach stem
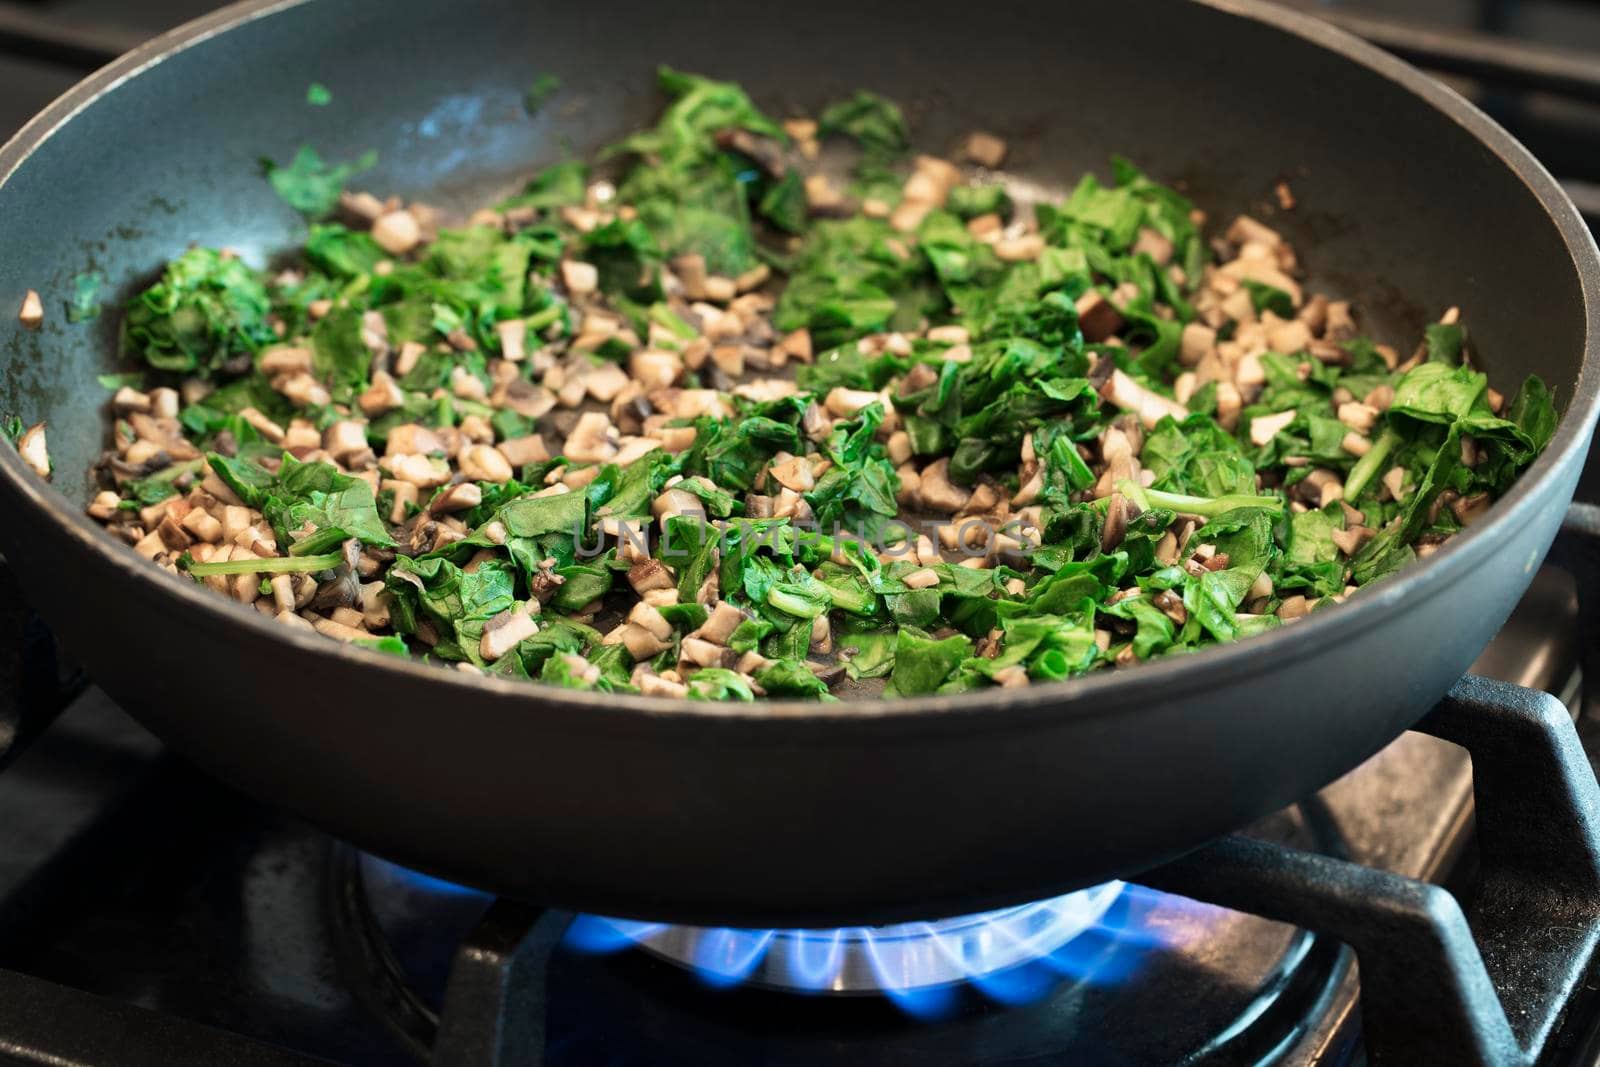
1367, 466
270, 565
1205, 507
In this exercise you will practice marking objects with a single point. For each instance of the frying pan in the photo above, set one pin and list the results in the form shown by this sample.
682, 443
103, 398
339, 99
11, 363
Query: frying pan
784, 814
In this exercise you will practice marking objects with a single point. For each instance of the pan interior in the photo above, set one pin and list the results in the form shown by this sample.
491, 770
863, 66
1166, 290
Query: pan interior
1386, 216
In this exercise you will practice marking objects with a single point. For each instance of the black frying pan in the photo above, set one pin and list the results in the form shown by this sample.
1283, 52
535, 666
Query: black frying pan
778, 814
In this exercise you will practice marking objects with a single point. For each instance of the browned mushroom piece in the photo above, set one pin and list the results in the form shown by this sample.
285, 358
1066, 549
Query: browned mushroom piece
937, 492
1116, 523
1098, 318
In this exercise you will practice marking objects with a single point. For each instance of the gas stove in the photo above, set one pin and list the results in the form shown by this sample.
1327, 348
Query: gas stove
1431, 907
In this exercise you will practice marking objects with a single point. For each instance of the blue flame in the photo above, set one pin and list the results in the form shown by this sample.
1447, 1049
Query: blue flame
1011, 956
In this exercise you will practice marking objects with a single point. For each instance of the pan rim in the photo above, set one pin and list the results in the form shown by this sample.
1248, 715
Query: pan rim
1078, 696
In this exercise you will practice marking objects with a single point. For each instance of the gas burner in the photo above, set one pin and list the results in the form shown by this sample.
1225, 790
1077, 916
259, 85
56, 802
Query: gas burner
1072, 979
899, 961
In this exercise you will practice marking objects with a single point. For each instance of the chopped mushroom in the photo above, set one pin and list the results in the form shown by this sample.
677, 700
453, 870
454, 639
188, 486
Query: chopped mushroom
1151, 407
1263, 428
592, 440
937, 492
397, 232
506, 631
1098, 318
34, 451
32, 314
984, 149
720, 624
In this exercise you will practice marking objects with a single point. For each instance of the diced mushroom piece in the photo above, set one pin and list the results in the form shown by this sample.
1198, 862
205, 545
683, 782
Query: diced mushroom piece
921, 579
1289, 337
1155, 245
344, 439
1229, 404
654, 685
1118, 512
1470, 509
798, 345
263, 425
463, 497
1245, 230
1294, 607
477, 430
1352, 538
1262, 269
605, 382
424, 472
128, 400
1341, 324
406, 496
1098, 318
846, 403
1358, 416
302, 390
1151, 407
580, 278
520, 451
405, 361
506, 631
374, 604
655, 369
32, 314
105, 505
631, 449
1198, 341
700, 652
413, 439
793, 473
937, 492
1394, 480
676, 502
822, 197
285, 359
1355, 444
362, 208
650, 574
466, 385
909, 214
35, 452
640, 642
1012, 677
513, 334
720, 624
720, 289
1029, 246
382, 396
397, 232
1263, 428
931, 180
984, 149
643, 615
592, 440
203, 526
1325, 484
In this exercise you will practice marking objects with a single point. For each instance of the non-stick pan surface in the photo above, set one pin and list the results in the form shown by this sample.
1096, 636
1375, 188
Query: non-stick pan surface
1410, 201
